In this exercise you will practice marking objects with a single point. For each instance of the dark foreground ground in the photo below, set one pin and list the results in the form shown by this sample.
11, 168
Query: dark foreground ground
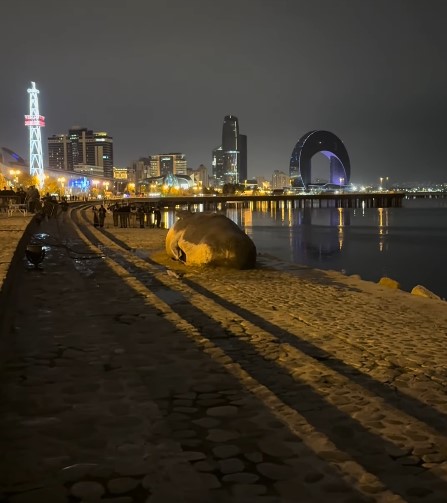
128, 379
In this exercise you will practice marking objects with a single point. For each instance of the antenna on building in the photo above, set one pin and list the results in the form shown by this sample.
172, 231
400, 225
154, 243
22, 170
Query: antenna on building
35, 121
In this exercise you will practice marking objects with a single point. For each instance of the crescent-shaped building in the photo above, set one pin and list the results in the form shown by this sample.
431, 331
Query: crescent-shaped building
330, 146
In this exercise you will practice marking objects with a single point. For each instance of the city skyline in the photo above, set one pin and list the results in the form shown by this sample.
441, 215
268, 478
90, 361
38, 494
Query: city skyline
371, 72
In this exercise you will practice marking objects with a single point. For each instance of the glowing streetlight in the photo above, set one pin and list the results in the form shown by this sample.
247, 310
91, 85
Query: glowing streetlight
15, 174
381, 181
61, 180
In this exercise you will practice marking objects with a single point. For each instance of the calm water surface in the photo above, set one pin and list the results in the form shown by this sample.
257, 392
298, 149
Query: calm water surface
408, 244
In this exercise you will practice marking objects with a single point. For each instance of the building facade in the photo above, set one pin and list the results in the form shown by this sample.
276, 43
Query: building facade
81, 147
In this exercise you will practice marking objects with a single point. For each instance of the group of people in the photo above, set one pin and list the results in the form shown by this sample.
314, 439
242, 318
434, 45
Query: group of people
121, 215
31, 198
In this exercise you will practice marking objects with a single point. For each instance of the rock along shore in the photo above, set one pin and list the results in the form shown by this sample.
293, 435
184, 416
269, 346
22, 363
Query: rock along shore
131, 378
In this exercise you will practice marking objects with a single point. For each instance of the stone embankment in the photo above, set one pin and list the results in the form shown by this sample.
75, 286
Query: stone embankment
133, 379
14, 233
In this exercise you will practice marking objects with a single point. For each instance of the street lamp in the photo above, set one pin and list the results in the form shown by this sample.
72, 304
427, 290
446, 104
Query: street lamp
381, 181
15, 174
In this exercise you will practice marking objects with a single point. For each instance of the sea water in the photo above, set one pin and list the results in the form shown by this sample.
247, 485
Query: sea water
408, 244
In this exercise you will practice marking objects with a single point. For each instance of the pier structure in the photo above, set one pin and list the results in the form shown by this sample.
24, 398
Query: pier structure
342, 200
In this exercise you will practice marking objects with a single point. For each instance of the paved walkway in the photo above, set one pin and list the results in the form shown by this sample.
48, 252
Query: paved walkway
132, 379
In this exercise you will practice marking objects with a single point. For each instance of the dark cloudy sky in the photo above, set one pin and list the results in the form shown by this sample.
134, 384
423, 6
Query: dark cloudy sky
160, 75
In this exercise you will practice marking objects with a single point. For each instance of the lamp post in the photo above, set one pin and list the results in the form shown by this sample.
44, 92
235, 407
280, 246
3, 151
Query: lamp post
381, 181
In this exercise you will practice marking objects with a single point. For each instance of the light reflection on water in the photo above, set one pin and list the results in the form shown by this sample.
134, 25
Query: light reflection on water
407, 244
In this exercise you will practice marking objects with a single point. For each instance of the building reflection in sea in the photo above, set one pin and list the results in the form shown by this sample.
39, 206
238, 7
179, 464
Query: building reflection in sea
308, 234
383, 228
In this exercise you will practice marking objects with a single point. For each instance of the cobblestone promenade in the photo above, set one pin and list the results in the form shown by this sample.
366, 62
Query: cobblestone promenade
130, 379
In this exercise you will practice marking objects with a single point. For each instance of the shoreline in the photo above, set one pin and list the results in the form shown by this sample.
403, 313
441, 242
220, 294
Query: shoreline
151, 240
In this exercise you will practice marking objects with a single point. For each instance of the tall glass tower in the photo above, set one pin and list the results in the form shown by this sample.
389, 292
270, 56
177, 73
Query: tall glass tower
230, 159
230, 149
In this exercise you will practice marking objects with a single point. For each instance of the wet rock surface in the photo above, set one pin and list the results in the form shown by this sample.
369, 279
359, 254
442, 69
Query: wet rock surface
124, 383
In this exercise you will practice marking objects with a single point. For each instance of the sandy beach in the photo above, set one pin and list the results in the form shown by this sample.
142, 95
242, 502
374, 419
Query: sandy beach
133, 376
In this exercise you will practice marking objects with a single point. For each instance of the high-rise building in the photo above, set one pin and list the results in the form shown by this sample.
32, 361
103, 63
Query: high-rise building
168, 164
217, 164
81, 147
201, 176
230, 149
280, 180
242, 157
229, 161
141, 169
59, 152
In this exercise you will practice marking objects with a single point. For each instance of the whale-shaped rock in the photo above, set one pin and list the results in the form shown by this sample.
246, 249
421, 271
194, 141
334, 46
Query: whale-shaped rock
210, 239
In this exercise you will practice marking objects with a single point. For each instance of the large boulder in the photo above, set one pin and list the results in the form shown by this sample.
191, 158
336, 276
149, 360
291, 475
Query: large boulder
210, 239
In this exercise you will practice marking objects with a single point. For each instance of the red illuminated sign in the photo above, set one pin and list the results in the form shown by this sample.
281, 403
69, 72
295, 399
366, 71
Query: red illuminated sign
35, 120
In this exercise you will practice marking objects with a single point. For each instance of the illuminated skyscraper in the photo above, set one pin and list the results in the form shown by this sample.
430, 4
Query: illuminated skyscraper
81, 147
242, 158
230, 160
230, 149
168, 164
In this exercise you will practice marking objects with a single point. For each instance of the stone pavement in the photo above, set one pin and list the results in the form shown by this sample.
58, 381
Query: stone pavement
129, 378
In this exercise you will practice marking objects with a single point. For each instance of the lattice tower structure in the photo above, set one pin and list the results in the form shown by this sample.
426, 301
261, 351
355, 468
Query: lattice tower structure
35, 121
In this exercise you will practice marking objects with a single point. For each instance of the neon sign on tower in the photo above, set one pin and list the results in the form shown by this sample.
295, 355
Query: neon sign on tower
35, 121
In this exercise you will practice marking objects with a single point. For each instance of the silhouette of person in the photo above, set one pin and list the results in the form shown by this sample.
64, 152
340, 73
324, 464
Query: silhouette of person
157, 215
101, 215
95, 216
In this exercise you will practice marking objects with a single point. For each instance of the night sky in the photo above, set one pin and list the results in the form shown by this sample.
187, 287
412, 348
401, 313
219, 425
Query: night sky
160, 75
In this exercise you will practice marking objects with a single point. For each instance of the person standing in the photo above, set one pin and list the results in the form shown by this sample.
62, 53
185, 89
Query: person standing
101, 215
33, 199
95, 216
157, 215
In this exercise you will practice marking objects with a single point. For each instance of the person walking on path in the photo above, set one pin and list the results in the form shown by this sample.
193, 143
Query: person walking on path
101, 215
